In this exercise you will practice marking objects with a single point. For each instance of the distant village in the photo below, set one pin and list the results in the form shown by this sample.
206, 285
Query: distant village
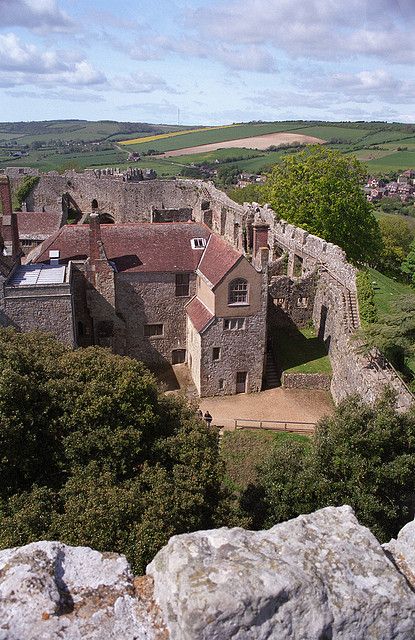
403, 187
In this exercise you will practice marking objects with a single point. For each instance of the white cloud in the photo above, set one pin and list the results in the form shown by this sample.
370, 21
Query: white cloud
25, 64
321, 29
38, 15
140, 83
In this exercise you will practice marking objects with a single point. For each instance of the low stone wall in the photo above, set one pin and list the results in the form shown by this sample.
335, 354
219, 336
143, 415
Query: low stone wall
306, 381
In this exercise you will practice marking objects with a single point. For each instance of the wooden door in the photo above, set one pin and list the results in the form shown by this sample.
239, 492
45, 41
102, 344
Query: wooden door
241, 378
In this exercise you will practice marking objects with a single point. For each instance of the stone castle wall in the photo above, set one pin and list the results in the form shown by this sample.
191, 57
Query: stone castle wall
336, 278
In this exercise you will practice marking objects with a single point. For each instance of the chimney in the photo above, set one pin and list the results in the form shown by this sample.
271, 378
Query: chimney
9, 228
6, 195
260, 240
95, 240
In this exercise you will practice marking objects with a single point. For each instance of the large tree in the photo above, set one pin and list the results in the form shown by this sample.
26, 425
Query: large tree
321, 191
92, 454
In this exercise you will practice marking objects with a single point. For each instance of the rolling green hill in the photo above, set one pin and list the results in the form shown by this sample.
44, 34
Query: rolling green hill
62, 144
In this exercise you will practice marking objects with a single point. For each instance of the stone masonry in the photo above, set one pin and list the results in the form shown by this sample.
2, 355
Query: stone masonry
319, 283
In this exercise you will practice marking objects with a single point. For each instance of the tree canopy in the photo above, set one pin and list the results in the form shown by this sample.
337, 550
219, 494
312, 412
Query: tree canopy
92, 454
321, 191
362, 455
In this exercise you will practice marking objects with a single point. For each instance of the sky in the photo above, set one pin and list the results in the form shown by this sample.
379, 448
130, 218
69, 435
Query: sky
211, 62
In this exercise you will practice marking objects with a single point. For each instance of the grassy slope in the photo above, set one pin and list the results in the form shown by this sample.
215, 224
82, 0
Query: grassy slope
243, 451
386, 291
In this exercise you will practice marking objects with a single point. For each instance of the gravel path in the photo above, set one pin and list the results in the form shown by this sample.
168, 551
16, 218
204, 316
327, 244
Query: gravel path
275, 404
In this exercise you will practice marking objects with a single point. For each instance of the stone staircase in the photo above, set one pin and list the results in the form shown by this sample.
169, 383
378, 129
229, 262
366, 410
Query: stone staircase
272, 375
351, 312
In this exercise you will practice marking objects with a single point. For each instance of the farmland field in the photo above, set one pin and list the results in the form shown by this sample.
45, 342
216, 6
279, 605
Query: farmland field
257, 142
63, 144
208, 136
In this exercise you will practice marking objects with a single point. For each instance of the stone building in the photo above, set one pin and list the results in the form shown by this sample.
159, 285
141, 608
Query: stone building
145, 290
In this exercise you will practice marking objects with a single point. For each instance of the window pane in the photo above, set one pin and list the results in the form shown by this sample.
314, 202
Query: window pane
238, 291
182, 284
153, 330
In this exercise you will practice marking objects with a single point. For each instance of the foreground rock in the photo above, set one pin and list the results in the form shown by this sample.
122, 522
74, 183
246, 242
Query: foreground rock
402, 552
50, 590
319, 576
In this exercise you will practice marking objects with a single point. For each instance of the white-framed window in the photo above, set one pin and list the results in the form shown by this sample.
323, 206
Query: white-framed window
151, 330
233, 324
182, 284
238, 291
302, 301
198, 243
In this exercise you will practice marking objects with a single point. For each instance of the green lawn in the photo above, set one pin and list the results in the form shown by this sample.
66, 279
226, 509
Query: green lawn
387, 290
393, 162
301, 351
243, 451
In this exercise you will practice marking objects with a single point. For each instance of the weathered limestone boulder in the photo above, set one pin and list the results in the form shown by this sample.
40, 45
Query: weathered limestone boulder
318, 576
50, 590
402, 551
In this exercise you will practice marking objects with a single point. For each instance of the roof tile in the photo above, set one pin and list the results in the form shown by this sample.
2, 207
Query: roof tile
198, 314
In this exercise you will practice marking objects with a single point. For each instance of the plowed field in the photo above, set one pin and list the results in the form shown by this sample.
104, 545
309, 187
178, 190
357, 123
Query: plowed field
255, 142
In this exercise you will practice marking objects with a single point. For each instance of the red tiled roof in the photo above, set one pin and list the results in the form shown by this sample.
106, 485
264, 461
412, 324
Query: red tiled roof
217, 259
146, 247
198, 314
38, 224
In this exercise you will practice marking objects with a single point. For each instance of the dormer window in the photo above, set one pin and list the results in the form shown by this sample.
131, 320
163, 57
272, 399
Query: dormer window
238, 291
198, 243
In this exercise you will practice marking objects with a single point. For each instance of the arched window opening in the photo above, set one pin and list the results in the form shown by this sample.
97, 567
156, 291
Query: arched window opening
94, 204
238, 291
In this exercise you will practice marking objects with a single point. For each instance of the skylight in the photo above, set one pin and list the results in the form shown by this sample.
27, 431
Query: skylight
198, 243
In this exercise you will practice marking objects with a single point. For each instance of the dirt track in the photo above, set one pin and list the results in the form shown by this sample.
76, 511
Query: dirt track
256, 142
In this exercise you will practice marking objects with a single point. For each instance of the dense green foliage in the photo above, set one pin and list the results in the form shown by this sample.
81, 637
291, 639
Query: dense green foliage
366, 297
320, 191
92, 454
394, 333
25, 187
408, 265
396, 241
251, 193
362, 455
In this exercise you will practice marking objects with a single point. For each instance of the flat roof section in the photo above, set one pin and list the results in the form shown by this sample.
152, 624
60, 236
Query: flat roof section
38, 275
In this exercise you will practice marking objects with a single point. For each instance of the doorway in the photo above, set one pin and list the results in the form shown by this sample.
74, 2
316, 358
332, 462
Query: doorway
241, 378
178, 356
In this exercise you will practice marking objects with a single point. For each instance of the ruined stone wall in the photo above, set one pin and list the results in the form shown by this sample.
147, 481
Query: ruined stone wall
125, 201
293, 296
149, 298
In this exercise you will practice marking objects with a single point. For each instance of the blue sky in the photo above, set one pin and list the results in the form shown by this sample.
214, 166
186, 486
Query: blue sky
216, 61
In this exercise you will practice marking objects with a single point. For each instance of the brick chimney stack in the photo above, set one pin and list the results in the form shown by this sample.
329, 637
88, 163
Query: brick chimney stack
260, 240
95, 240
9, 228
